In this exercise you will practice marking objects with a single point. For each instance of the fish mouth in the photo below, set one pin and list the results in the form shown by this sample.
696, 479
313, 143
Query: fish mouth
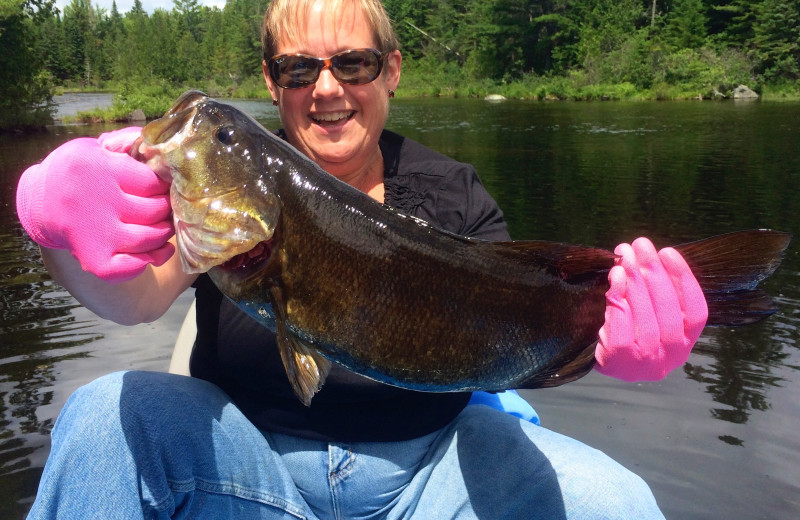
174, 122
249, 260
165, 135
224, 210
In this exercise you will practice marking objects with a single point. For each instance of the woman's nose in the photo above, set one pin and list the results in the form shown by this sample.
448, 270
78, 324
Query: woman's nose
326, 84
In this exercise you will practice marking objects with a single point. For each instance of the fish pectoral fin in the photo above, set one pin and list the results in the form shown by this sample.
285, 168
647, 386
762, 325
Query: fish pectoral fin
560, 374
305, 367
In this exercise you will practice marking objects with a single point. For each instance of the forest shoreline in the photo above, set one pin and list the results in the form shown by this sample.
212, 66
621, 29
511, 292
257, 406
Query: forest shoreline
153, 100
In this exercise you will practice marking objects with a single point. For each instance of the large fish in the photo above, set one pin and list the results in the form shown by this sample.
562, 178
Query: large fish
340, 277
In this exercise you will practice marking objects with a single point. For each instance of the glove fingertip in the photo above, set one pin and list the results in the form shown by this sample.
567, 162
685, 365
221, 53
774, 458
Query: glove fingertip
617, 278
643, 245
673, 261
690, 293
120, 140
29, 201
117, 269
136, 178
160, 256
624, 249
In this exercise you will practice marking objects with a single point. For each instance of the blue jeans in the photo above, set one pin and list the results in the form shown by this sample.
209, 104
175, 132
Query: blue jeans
156, 445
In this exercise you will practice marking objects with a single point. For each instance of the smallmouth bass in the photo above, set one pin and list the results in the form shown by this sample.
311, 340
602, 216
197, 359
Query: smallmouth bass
342, 278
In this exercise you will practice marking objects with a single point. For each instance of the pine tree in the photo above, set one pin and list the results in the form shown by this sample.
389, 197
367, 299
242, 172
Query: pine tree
25, 89
776, 39
686, 24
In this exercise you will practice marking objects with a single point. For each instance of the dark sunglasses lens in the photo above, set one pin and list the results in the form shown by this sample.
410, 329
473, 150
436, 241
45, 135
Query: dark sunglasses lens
294, 71
356, 67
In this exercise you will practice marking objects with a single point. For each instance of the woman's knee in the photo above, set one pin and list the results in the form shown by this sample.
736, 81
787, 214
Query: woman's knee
594, 483
123, 400
94, 400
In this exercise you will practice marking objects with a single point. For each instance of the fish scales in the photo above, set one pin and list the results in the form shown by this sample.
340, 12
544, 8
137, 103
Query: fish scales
384, 279
340, 277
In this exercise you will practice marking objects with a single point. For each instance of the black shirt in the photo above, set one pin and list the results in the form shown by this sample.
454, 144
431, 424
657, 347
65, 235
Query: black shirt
241, 356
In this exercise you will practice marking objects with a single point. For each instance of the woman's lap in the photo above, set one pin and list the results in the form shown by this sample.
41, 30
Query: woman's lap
175, 446
156, 445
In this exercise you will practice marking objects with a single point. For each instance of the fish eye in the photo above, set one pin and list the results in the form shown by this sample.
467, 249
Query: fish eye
225, 135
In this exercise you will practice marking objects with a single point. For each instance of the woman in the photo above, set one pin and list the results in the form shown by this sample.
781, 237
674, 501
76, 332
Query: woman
233, 441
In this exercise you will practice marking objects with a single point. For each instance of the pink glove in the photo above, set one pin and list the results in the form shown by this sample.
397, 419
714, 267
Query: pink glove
108, 209
655, 312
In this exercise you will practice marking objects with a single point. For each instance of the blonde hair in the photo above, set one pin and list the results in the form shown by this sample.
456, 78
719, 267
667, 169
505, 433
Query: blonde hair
289, 19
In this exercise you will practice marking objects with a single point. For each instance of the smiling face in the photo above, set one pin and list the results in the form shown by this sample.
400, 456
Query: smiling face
336, 125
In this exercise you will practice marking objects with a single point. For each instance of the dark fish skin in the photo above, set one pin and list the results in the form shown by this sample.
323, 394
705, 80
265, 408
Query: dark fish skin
343, 278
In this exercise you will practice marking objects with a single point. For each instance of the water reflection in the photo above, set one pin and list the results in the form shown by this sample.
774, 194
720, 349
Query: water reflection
743, 365
37, 331
595, 174
49, 344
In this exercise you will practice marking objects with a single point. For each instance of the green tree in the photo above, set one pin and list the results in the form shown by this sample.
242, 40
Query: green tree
135, 50
411, 22
242, 31
776, 39
76, 31
500, 37
731, 21
25, 88
558, 44
53, 47
686, 24
189, 13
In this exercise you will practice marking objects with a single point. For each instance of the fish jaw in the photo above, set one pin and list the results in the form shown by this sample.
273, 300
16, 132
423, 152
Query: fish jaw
216, 230
223, 204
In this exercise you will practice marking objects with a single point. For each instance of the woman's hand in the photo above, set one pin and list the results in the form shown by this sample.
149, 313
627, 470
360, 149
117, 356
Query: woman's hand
109, 210
655, 311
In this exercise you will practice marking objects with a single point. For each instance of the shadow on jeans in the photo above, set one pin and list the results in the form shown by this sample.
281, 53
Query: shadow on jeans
506, 475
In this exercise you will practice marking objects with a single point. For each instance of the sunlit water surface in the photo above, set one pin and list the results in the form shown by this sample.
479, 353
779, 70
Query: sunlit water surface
716, 439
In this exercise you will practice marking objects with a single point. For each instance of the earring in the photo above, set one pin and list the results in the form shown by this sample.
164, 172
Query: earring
391, 93
274, 102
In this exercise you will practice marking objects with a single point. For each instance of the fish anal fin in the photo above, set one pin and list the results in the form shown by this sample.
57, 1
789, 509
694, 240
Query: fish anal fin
559, 375
306, 368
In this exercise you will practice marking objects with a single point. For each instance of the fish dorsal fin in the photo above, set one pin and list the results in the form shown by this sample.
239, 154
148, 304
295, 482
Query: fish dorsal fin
305, 367
569, 262
573, 370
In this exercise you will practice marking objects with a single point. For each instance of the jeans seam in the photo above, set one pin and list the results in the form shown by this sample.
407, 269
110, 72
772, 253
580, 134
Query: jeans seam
244, 493
337, 472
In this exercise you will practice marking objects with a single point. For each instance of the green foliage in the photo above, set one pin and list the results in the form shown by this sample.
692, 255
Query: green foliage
686, 24
607, 24
784, 91
630, 61
547, 49
25, 86
428, 77
731, 21
777, 39
153, 100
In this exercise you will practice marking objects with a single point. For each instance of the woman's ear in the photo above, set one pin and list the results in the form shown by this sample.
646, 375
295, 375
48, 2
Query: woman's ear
392, 65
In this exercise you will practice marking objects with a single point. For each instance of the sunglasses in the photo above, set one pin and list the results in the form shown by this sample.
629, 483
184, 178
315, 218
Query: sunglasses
352, 67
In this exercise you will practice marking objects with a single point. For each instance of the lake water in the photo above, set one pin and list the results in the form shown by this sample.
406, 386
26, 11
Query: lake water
716, 439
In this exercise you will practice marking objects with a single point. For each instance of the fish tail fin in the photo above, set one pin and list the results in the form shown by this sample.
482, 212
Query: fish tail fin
729, 267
